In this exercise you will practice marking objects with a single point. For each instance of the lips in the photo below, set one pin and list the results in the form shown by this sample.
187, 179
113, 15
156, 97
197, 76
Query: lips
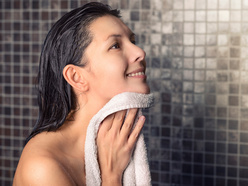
137, 73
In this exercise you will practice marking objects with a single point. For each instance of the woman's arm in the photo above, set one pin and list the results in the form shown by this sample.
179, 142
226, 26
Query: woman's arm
116, 141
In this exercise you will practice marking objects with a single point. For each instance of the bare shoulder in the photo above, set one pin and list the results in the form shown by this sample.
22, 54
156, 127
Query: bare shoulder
38, 166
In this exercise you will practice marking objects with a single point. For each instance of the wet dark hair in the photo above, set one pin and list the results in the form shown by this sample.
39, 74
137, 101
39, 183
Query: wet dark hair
65, 44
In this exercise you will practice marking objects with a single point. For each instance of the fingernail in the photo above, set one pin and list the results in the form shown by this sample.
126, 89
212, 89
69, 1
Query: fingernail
142, 118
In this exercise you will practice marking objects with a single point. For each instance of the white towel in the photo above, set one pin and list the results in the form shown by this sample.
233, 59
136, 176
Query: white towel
137, 172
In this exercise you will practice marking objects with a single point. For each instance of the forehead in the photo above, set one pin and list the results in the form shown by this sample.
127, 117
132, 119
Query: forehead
105, 26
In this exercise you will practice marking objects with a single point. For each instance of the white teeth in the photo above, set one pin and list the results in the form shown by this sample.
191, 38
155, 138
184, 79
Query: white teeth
136, 74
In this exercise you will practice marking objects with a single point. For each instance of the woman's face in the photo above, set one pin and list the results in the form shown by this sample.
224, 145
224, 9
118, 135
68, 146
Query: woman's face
115, 63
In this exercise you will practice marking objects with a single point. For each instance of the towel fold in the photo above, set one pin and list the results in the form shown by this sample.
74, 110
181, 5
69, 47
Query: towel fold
137, 172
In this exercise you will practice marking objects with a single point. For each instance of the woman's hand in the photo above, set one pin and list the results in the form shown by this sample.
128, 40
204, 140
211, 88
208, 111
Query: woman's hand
116, 141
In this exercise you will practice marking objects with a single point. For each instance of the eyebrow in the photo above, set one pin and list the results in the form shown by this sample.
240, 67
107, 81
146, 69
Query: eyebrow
119, 35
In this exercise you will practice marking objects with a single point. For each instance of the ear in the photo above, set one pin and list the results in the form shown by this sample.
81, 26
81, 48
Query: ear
74, 76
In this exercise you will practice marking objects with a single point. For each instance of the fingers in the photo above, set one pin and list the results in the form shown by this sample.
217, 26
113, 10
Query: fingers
136, 131
117, 124
128, 124
106, 125
118, 121
116, 140
114, 120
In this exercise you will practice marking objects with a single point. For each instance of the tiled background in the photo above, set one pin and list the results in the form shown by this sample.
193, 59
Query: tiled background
197, 54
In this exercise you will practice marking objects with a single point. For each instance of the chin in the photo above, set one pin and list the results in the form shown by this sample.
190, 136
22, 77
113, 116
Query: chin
142, 90
147, 91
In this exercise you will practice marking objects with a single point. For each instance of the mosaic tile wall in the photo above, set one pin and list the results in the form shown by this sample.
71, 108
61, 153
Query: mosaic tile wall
197, 55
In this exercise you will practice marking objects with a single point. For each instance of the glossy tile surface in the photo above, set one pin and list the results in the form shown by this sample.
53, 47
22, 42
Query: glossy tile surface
197, 59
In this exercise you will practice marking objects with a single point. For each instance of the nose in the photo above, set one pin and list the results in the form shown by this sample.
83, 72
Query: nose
136, 54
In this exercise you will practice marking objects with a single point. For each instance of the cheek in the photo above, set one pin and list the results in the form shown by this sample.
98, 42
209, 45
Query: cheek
113, 70
109, 73
108, 78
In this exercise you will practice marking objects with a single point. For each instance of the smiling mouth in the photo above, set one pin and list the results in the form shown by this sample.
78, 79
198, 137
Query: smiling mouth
136, 74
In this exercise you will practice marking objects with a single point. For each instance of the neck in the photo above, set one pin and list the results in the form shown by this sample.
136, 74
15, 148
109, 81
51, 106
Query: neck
74, 130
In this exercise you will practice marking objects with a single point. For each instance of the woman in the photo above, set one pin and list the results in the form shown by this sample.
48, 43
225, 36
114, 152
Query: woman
88, 57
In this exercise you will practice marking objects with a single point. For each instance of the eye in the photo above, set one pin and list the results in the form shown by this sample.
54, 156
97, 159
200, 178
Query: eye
115, 46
